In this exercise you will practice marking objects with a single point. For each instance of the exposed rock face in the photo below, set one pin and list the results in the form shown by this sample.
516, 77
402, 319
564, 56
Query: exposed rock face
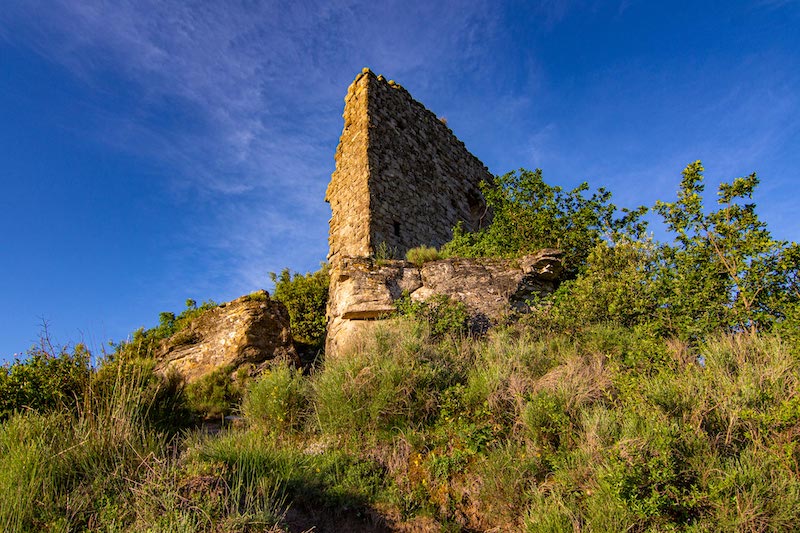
246, 331
402, 178
363, 289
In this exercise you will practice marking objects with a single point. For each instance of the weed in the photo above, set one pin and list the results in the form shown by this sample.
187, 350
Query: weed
422, 254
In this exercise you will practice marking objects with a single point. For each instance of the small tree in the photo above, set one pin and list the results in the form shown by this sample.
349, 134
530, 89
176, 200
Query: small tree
724, 268
306, 298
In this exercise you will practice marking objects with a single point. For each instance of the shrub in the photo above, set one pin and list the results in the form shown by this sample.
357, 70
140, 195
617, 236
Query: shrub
529, 214
724, 269
445, 317
306, 299
258, 296
214, 395
277, 400
617, 286
47, 380
144, 341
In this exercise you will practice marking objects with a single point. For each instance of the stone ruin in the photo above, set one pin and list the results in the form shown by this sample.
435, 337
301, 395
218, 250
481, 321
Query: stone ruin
403, 180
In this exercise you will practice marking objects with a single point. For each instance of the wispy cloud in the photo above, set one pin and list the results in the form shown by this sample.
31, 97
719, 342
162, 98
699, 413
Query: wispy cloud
240, 102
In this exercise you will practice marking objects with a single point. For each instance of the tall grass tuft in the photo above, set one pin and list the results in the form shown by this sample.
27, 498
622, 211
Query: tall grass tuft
70, 470
277, 401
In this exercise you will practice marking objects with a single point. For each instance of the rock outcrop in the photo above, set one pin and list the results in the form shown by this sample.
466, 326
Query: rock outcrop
250, 331
363, 289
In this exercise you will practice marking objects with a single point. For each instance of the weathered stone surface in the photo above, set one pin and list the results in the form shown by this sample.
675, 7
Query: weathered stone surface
246, 331
402, 178
363, 289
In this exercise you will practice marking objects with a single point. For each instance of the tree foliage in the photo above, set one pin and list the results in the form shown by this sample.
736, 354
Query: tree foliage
306, 298
528, 214
47, 379
724, 269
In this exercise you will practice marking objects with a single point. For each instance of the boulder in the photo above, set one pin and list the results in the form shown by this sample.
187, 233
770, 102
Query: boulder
247, 332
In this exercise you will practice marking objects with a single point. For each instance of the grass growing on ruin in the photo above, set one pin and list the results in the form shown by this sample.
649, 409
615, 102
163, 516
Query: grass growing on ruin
422, 254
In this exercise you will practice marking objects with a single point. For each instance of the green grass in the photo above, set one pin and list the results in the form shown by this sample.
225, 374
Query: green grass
605, 429
422, 254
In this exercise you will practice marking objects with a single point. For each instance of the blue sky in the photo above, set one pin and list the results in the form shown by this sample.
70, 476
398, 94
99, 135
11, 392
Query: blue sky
154, 151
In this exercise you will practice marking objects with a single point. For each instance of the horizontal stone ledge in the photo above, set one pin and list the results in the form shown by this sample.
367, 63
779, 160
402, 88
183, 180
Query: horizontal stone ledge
368, 314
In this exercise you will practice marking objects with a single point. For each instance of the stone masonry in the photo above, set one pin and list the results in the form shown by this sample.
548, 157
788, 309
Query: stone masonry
402, 178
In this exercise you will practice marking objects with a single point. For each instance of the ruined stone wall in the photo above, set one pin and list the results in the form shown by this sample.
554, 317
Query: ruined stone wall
348, 191
402, 177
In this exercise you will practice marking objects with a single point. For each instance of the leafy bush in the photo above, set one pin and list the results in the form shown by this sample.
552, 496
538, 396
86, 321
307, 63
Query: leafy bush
216, 394
617, 286
306, 298
529, 214
724, 270
445, 317
47, 380
258, 296
144, 341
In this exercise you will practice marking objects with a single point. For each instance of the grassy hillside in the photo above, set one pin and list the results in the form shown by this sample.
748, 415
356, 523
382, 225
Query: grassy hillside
604, 429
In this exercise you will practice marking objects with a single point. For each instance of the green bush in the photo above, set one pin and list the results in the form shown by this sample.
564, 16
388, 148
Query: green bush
445, 317
47, 380
724, 269
216, 394
546, 420
616, 286
528, 214
143, 343
306, 298
277, 400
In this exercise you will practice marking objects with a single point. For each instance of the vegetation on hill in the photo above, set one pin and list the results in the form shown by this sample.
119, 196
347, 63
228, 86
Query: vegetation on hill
528, 215
305, 296
143, 342
657, 390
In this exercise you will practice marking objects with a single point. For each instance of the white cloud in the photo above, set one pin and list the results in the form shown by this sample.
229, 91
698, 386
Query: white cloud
240, 102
